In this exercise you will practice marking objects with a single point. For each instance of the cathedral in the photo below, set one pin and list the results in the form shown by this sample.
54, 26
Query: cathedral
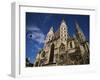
62, 49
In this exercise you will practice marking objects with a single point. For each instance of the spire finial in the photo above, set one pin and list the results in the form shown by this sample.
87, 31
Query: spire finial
51, 29
63, 20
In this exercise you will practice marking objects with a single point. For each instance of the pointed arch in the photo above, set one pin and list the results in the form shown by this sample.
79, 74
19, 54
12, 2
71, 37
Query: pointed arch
62, 47
51, 53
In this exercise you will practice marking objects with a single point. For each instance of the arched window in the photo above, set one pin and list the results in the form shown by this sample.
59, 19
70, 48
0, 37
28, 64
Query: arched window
62, 47
64, 28
71, 46
51, 53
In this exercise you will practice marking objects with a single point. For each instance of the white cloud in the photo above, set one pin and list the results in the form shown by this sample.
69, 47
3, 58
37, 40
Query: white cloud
36, 34
38, 47
33, 28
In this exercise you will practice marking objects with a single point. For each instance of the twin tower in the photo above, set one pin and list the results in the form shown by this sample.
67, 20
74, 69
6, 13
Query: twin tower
62, 49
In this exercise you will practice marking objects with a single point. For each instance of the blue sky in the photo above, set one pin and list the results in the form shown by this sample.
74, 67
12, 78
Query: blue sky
38, 25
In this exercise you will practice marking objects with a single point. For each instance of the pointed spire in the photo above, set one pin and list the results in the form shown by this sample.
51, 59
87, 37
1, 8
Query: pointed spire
50, 35
80, 32
78, 27
51, 29
63, 21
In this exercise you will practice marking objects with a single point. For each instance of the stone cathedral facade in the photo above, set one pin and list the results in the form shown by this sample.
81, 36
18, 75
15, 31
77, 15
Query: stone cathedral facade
62, 49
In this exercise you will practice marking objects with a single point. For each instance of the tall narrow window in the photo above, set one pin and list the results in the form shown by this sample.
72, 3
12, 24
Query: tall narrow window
71, 45
51, 54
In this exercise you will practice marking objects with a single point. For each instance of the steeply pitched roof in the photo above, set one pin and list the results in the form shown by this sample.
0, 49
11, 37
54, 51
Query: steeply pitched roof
56, 34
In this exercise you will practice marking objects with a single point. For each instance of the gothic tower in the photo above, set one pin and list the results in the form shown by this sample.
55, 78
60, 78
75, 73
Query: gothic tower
79, 33
49, 35
83, 44
63, 32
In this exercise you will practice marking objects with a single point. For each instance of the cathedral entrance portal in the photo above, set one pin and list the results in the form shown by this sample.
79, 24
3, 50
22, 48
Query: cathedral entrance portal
51, 54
